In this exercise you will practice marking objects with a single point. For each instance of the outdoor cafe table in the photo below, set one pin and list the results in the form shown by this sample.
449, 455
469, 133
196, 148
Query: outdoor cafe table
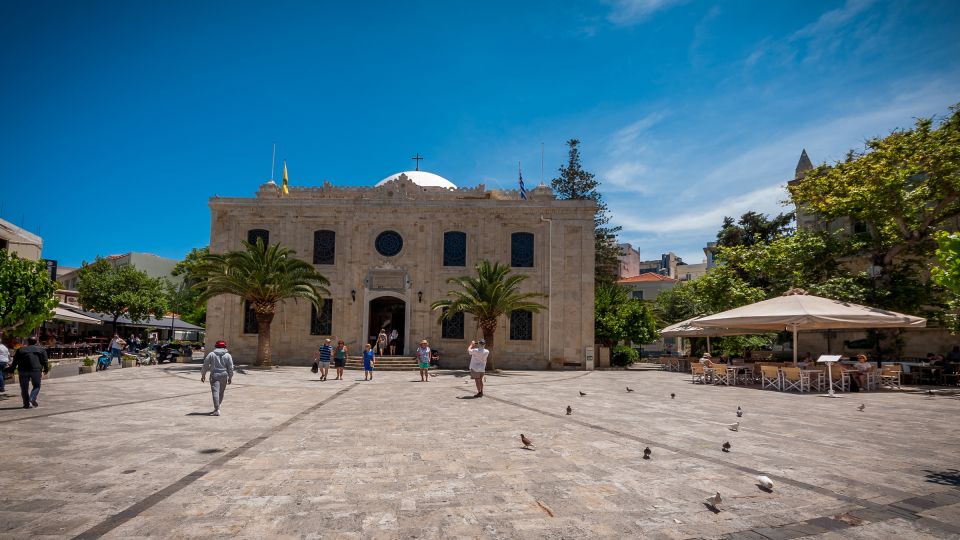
817, 374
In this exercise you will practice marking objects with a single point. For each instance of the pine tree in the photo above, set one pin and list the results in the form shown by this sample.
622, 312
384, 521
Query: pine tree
576, 183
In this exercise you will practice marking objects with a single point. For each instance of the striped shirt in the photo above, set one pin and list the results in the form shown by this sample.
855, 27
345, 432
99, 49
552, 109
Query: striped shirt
325, 352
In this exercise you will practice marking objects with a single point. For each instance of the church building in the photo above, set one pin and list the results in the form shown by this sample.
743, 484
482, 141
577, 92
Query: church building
388, 250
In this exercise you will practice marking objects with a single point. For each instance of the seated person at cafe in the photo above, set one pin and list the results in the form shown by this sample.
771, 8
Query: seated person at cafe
862, 368
934, 359
706, 360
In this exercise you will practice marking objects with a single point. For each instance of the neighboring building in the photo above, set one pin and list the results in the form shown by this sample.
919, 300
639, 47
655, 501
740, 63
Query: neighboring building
629, 261
665, 266
388, 251
648, 286
16, 240
710, 252
689, 272
148, 263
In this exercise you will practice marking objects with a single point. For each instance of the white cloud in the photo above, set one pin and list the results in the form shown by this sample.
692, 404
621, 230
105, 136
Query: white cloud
628, 12
829, 21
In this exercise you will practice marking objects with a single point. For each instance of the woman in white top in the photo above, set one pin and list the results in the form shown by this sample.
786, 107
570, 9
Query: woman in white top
478, 363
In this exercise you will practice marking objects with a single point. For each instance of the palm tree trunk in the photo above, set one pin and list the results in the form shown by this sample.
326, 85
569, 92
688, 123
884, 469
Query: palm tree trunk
488, 328
264, 354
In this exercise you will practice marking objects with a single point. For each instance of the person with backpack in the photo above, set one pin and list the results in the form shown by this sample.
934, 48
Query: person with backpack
30, 362
220, 365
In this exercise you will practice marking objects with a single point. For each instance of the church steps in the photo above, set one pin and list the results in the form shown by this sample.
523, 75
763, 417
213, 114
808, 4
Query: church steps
386, 363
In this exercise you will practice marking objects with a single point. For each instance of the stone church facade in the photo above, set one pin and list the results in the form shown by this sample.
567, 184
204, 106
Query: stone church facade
388, 251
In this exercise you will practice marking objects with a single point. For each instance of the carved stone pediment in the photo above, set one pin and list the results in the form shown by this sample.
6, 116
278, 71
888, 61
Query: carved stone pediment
387, 279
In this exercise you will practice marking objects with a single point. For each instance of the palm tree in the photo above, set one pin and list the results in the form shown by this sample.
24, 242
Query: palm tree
488, 296
263, 276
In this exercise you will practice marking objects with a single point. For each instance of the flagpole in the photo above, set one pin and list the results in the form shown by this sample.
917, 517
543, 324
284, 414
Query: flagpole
273, 162
541, 163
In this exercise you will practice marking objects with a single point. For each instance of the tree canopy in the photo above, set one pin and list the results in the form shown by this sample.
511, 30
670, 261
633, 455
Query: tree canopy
621, 318
185, 297
575, 183
123, 290
754, 228
26, 294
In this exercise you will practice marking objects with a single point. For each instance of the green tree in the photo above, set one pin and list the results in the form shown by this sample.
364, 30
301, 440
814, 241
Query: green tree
263, 275
576, 183
901, 187
185, 297
617, 317
494, 292
947, 272
754, 228
123, 290
786, 262
26, 294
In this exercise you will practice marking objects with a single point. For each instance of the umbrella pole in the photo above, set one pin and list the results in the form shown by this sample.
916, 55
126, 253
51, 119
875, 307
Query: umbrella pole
708, 345
794, 344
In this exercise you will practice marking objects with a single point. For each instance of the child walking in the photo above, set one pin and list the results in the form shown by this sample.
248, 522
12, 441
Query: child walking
369, 360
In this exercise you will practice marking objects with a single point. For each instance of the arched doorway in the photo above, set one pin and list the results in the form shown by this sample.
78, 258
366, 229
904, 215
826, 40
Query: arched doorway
388, 313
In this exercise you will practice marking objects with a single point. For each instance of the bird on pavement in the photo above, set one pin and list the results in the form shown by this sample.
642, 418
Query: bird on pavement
527, 443
629, 389
582, 394
726, 446
569, 410
739, 411
765, 483
672, 395
647, 452
735, 426
715, 501
930, 393
862, 407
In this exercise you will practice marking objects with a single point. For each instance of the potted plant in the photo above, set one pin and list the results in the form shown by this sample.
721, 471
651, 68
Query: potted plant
87, 366
129, 360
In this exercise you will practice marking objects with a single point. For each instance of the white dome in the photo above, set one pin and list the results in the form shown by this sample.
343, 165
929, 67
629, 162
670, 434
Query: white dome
421, 178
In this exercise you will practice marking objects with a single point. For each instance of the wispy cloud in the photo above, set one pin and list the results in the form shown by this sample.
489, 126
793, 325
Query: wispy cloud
629, 12
831, 20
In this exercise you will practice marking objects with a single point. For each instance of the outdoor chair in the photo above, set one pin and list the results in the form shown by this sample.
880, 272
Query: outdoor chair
794, 379
697, 374
890, 376
720, 375
664, 363
841, 379
769, 376
673, 364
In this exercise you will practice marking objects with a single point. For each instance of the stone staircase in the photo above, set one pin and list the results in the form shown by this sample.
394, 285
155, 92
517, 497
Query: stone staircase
386, 363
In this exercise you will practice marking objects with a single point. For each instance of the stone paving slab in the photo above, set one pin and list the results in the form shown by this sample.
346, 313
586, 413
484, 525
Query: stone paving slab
130, 454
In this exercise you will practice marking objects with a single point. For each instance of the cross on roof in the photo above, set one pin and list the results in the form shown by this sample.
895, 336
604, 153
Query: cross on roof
417, 158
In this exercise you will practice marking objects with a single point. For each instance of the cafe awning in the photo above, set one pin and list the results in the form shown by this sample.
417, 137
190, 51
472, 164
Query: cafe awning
62, 314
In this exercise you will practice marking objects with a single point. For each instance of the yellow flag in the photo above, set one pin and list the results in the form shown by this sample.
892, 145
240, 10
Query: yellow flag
286, 190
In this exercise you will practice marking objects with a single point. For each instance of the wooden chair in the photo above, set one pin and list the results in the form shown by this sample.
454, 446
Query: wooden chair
841, 379
697, 374
890, 376
720, 375
770, 376
794, 379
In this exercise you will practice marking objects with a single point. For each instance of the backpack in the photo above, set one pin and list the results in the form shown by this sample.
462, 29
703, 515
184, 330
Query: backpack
315, 368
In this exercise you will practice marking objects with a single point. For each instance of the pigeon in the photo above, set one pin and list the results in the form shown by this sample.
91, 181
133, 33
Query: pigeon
629, 389
739, 411
582, 394
526, 442
930, 393
647, 452
569, 410
765, 483
862, 407
726, 446
735, 427
672, 395
715, 501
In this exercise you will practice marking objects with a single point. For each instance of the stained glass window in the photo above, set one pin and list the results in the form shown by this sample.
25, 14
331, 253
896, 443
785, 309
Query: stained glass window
452, 328
253, 234
454, 248
324, 247
389, 243
521, 249
321, 322
521, 325
249, 319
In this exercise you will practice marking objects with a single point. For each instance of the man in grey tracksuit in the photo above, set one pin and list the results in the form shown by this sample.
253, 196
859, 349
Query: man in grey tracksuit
220, 365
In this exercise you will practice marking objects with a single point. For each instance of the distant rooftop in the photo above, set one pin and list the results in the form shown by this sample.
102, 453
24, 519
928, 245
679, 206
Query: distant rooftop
647, 277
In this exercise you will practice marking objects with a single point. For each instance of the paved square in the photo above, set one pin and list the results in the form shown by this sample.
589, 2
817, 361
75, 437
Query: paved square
130, 453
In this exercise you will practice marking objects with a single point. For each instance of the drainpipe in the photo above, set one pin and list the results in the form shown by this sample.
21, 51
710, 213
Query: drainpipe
549, 288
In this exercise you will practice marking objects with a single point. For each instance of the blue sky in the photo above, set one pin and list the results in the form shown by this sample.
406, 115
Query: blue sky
118, 120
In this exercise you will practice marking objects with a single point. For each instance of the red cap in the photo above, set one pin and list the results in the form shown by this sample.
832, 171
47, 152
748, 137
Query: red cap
221, 344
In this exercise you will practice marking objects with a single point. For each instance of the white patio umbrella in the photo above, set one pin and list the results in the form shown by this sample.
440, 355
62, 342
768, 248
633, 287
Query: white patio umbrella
689, 328
796, 310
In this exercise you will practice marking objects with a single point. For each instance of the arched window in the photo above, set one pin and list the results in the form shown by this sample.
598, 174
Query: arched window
452, 328
521, 249
250, 325
253, 234
454, 248
324, 247
521, 325
321, 322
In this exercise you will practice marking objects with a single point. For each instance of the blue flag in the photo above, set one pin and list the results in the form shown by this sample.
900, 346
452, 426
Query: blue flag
523, 190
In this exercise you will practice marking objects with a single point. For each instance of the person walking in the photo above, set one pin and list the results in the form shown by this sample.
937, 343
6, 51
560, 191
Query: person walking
323, 357
220, 365
369, 360
4, 364
478, 364
423, 360
340, 359
30, 362
382, 342
116, 349
393, 341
